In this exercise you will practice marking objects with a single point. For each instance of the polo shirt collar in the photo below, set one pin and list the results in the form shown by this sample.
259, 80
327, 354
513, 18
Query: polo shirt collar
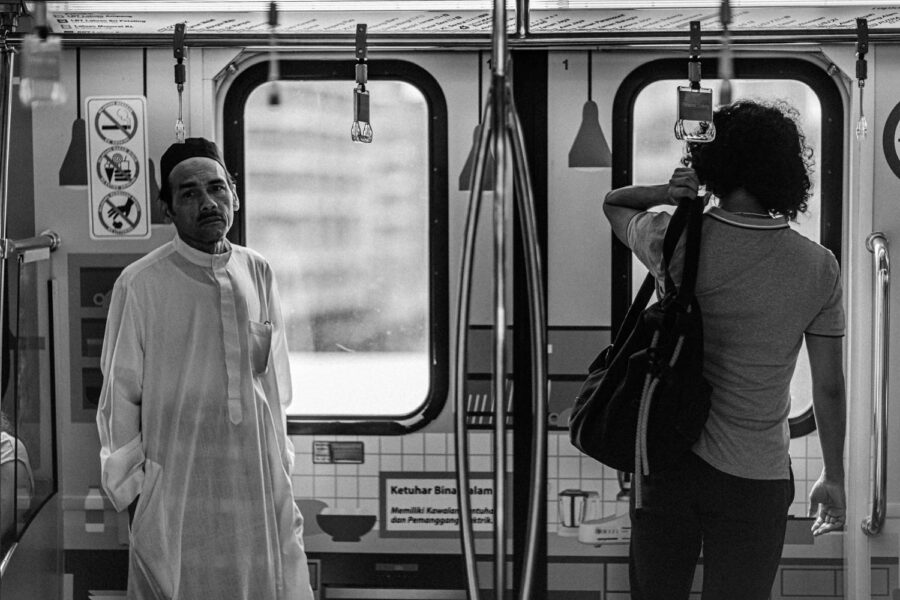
748, 221
202, 258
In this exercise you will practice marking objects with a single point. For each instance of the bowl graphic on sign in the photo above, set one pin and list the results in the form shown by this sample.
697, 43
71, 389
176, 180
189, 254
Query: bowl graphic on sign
345, 525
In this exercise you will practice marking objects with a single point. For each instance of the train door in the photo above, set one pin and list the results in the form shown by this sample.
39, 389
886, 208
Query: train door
644, 150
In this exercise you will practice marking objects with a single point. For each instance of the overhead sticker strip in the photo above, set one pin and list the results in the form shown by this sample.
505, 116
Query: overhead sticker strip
118, 187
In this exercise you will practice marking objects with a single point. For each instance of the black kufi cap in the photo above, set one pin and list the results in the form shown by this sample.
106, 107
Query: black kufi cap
178, 152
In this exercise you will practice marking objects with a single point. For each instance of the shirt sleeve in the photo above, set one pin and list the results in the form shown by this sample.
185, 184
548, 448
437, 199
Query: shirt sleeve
119, 409
830, 320
645, 233
280, 365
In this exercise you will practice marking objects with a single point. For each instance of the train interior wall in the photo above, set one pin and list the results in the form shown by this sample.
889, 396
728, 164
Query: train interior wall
579, 277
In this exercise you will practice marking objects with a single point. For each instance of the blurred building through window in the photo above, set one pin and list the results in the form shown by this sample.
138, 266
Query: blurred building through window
345, 228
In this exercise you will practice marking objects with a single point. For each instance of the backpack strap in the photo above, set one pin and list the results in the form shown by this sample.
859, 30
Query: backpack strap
688, 215
691, 255
641, 299
676, 226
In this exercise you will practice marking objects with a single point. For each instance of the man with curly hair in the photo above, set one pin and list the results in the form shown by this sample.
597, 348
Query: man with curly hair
763, 289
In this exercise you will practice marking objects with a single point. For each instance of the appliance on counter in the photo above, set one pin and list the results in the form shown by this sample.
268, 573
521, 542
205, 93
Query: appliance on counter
615, 529
576, 507
580, 515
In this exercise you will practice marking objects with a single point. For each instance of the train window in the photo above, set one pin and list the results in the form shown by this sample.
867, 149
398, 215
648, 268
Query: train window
654, 153
348, 230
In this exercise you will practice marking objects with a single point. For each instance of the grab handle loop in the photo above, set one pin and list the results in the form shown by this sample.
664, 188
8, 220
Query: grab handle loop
361, 130
695, 103
178, 51
862, 47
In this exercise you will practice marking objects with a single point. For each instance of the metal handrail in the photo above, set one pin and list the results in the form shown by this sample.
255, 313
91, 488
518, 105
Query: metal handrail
47, 239
502, 130
877, 244
511, 131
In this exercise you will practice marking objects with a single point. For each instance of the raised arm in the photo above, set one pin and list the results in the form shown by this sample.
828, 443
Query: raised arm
622, 204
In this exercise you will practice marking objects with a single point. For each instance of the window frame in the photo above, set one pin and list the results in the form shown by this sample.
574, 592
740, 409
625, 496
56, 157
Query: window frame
438, 279
829, 163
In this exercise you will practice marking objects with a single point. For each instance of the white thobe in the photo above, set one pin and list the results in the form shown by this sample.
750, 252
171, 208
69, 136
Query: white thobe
191, 418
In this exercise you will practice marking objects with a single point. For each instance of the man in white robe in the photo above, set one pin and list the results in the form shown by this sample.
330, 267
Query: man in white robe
191, 415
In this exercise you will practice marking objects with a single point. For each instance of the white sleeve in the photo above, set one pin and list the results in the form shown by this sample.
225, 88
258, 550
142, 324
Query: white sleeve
119, 409
280, 364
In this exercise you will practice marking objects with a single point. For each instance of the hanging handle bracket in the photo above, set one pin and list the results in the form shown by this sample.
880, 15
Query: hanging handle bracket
178, 51
361, 43
862, 48
694, 61
180, 77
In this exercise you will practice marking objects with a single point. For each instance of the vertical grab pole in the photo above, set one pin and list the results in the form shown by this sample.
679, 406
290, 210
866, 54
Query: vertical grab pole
501, 129
6, 70
878, 246
498, 353
534, 274
462, 331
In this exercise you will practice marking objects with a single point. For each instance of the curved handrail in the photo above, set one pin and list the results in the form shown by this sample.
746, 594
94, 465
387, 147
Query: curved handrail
507, 130
877, 244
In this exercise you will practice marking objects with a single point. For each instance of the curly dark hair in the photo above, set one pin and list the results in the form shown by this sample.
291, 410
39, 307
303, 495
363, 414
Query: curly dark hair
759, 147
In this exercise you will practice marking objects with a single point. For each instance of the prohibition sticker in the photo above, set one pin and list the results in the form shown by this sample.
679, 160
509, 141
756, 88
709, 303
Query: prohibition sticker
117, 167
116, 122
119, 212
118, 173
891, 140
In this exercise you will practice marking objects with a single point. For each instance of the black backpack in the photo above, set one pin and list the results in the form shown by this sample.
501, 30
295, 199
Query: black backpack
645, 400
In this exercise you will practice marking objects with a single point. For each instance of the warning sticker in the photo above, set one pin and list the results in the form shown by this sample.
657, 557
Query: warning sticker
119, 213
117, 167
116, 122
118, 186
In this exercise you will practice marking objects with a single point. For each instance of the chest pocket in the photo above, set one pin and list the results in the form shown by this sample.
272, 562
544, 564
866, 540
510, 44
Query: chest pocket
260, 346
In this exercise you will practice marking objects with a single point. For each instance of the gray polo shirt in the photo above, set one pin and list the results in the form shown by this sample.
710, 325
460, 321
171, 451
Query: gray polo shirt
760, 286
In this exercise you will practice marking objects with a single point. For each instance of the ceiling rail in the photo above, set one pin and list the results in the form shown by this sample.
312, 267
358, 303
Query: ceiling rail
388, 42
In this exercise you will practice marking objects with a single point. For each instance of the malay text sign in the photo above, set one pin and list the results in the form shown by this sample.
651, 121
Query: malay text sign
424, 504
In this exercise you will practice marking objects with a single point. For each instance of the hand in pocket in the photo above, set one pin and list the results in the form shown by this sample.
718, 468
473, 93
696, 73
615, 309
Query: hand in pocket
260, 344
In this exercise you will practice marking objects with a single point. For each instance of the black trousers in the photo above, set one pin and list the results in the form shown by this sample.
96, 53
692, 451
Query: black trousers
738, 523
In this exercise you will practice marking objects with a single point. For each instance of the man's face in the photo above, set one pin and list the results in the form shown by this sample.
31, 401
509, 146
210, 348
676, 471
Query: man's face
203, 202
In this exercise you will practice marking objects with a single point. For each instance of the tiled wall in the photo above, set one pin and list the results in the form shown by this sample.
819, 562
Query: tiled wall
345, 486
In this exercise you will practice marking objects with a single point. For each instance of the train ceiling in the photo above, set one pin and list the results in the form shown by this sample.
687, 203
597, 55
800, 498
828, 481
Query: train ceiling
554, 18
